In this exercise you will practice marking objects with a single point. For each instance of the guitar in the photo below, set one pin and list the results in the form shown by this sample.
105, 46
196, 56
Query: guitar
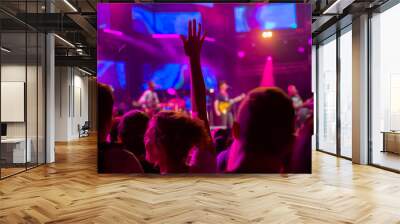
224, 107
150, 110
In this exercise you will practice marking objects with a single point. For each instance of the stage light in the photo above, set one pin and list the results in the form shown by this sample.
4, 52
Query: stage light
171, 91
209, 39
268, 79
241, 54
113, 32
267, 34
165, 36
211, 90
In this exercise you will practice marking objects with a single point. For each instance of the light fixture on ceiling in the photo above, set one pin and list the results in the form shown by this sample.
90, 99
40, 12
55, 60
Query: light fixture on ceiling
70, 5
337, 7
65, 41
84, 71
79, 51
5, 50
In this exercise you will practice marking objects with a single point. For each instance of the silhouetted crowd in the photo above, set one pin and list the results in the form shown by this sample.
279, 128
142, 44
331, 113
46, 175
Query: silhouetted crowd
270, 134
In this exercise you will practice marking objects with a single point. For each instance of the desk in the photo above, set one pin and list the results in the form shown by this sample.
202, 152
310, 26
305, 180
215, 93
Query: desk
13, 150
391, 141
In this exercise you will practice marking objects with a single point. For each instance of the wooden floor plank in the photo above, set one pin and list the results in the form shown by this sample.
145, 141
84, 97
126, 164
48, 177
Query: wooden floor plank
70, 191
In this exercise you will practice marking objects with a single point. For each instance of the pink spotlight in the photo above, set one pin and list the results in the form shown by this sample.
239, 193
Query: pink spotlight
171, 91
175, 36
114, 32
209, 39
268, 74
300, 49
165, 36
241, 54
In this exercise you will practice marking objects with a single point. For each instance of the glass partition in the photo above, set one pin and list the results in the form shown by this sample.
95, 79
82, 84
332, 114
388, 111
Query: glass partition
327, 96
346, 93
385, 89
22, 89
15, 150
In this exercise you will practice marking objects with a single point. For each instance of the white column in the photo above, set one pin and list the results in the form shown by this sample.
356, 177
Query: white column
50, 98
360, 89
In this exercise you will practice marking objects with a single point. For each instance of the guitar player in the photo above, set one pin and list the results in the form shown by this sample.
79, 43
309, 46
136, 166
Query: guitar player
223, 104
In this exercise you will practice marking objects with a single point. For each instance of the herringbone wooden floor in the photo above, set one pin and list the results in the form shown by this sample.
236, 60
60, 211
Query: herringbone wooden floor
70, 191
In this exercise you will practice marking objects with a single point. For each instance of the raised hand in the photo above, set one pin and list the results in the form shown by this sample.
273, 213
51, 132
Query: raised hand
193, 43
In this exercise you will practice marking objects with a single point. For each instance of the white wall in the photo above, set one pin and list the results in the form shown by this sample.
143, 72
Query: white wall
61, 104
71, 102
12, 73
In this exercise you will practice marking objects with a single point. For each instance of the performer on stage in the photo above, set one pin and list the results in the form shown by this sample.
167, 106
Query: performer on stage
223, 104
303, 109
149, 99
295, 96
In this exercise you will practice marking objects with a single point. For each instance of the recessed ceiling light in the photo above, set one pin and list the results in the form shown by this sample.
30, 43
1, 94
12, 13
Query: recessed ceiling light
5, 50
65, 41
84, 71
70, 5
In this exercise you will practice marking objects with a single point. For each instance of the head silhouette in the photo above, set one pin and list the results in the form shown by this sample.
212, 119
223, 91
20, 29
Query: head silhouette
292, 91
105, 111
223, 86
169, 138
132, 128
151, 85
265, 125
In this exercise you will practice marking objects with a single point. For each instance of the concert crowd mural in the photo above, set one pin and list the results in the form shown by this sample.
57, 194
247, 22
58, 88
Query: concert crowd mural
204, 88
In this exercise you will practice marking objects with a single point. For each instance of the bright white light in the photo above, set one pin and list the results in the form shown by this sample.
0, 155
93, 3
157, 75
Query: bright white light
5, 50
337, 7
267, 34
70, 5
86, 72
65, 41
